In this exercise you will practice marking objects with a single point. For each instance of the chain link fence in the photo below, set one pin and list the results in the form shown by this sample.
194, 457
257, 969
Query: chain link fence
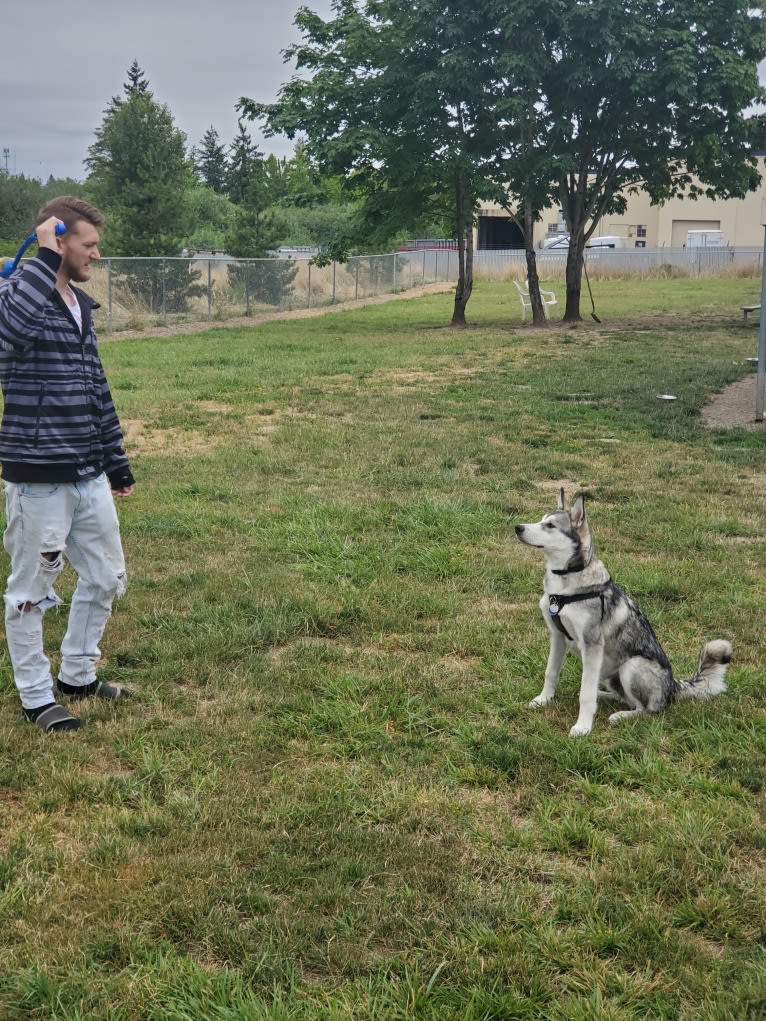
629, 262
136, 294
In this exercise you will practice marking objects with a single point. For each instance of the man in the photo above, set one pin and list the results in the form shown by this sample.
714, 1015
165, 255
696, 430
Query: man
62, 460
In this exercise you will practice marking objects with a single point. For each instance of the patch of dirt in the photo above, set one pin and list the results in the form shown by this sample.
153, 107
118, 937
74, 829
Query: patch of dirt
214, 407
141, 439
556, 484
734, 406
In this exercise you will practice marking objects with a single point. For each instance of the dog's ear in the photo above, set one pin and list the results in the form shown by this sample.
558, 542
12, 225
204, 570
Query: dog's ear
577, 513
562, 504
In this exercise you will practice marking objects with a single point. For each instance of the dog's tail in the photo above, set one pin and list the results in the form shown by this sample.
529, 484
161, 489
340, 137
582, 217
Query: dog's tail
710, 678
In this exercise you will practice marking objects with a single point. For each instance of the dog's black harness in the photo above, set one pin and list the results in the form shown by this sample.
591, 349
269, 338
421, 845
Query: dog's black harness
557, 602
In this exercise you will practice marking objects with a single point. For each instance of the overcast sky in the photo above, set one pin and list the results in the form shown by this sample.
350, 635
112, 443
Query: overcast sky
61, 64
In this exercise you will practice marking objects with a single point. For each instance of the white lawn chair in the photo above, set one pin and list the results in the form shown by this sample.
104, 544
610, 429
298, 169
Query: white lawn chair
548, 298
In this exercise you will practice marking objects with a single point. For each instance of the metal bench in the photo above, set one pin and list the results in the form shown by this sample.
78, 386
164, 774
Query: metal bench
747, 309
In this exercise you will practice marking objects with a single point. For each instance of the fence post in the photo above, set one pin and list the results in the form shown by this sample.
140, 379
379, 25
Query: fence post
356, 283
309, 295
163, 268
334, 266
209, 291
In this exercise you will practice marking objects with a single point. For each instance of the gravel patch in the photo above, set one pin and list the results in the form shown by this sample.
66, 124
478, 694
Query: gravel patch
733, 407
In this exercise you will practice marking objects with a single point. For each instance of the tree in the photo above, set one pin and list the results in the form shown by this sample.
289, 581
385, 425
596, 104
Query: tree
245, 166
332, 228
20, 199
211, 218
210, 161
571, 103
256, 231
315, 208
400, 100
301, 182
646, 95
137, 83
140, 174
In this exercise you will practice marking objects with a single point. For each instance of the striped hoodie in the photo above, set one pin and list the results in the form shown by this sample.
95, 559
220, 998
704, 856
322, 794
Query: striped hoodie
59, 422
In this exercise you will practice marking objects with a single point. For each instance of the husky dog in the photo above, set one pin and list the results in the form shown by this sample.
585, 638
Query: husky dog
591, 616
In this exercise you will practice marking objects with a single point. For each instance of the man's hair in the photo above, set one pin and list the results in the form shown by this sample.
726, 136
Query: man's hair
70, 211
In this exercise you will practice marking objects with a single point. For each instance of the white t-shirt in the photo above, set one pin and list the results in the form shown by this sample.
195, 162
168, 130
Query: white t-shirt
74, 307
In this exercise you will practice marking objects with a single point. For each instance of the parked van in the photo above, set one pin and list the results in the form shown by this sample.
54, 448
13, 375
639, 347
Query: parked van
610, 241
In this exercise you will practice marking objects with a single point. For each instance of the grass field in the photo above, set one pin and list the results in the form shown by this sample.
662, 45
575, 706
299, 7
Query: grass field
329, 799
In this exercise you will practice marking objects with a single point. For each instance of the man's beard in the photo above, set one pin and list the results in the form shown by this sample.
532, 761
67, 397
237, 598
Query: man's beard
77, 274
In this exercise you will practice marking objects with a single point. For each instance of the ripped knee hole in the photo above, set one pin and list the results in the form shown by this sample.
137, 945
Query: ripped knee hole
28, 607
51, 560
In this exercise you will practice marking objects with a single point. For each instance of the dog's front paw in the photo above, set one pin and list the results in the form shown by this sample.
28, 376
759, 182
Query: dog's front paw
540, 702
580, 729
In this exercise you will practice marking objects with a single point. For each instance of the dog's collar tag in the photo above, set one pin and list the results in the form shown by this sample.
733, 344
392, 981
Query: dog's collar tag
554, 606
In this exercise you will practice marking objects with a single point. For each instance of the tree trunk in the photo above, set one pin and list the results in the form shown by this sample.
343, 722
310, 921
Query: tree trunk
465, 258
465, 280
574, 278
533, 281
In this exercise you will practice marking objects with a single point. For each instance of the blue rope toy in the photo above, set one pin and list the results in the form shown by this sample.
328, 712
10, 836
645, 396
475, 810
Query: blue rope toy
12, 264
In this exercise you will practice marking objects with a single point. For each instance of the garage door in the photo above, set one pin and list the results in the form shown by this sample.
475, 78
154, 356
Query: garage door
680, 228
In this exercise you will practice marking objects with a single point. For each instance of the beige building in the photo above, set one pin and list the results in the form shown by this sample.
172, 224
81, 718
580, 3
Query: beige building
645, 225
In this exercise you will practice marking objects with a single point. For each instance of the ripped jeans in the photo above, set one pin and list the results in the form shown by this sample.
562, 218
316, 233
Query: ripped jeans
46, 521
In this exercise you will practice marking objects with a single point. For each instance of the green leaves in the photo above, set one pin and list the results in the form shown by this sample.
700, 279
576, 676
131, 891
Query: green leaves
562, 104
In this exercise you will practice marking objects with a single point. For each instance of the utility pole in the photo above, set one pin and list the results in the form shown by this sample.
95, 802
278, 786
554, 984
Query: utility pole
6, 154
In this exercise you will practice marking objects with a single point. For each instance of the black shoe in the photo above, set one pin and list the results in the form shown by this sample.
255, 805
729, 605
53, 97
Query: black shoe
52, 717
96, 689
